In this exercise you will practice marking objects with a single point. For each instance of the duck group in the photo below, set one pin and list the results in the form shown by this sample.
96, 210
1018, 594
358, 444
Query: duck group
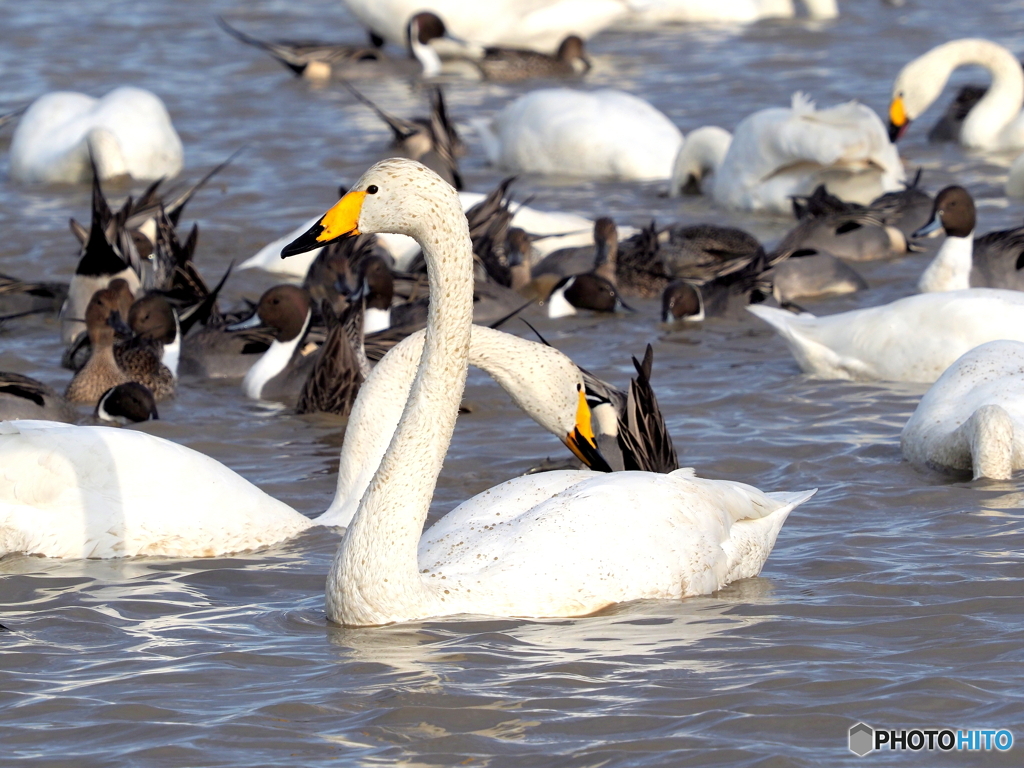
382, 301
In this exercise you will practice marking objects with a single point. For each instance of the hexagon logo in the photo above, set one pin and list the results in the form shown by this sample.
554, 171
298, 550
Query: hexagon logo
862, 738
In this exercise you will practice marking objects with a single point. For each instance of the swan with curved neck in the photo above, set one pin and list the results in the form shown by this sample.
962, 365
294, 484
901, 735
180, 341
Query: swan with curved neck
540, 545
995, 122
117, 493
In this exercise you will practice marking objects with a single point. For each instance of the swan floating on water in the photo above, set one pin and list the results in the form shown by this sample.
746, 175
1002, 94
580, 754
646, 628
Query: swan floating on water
127, 133
778, 153
726, 11
972, 418
552, 544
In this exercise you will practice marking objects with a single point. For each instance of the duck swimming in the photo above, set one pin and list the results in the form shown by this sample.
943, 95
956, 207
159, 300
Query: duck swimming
559, 532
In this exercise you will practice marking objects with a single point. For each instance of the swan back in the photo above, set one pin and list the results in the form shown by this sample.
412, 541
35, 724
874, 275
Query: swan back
971, 418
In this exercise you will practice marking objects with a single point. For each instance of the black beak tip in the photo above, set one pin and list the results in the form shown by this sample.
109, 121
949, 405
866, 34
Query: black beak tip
896, 131
305, 242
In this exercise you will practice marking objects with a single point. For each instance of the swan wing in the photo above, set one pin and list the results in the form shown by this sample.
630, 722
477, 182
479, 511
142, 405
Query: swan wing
70, 491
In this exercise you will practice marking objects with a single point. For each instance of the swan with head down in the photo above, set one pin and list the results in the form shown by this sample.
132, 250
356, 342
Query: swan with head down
553, 544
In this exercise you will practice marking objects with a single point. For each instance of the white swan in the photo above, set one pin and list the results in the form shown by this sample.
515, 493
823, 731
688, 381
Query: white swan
972, 418
553, 544
127, 132
535, 24
995, 122
912, 339
649, 12
100, 492
595, 134
778, 153
555, 229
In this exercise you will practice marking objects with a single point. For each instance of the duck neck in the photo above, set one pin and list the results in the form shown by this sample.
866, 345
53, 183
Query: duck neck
950, 270
375, 577
702, 154
426, 56
1001, 104
272, 362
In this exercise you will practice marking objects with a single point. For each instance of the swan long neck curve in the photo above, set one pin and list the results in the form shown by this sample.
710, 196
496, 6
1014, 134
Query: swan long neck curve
375, 577
701, 154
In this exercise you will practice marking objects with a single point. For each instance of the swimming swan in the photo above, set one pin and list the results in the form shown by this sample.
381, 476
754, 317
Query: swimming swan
101, 492
593, 134
127, 132
726, 11
553, 544
780, 153
536, 24
995, 122
912, 339
972, 417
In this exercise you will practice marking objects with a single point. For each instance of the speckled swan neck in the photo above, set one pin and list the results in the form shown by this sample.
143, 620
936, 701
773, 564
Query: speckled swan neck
374, 578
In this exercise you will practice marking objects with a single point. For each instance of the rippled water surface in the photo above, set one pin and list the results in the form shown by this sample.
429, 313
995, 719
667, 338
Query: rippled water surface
893, 596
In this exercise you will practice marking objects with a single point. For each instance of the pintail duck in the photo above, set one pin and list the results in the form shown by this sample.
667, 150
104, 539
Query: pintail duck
20, 297
316, 60
510, 64
103, 318
600, 257
808, 274
994, 260
131, 402
282, 369
22, 397
150, 356
340, 366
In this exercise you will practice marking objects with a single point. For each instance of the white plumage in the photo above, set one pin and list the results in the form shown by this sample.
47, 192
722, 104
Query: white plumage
972, 418
596, 134
127, 132
726, 11
912, 339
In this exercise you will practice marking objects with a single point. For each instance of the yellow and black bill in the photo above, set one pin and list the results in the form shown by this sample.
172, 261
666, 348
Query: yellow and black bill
341, 221
898, 120
581, 440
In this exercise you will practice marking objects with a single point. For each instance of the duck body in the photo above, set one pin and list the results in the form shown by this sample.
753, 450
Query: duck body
511, 64
593, 134
101, 492
127, 132
972, 418
912, 339
778, 153
22, 397
538, 25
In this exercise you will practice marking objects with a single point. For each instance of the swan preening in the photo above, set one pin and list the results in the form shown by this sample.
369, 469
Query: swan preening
552, 544
126, 133
995, 122
972, 417
778, 153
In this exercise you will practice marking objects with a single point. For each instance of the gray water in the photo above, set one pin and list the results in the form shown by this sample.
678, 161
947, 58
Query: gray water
892, 597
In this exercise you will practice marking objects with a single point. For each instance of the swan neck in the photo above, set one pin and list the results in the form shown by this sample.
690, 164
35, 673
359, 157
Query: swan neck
822, 9
950, 270
375, 577
701, 155
1002, 103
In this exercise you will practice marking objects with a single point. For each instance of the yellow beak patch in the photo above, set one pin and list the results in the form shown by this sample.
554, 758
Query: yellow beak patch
343, 218
897, 112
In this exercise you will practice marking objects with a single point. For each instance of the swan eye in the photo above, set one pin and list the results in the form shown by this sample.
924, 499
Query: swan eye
372, 189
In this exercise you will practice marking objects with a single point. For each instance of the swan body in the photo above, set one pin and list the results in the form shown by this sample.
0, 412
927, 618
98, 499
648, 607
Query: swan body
726, 11
534, 24
912, 339
127, 132
779, 153
563, 550
103, 492
995, 122
972, 418
596, 134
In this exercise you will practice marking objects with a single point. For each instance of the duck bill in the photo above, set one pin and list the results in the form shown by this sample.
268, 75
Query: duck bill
252, 322
121, 328
581, 440
898, 120
933, 227
341, 221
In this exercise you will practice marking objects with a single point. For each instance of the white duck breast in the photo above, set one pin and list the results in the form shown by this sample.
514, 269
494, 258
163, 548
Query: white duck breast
535, 24
371, 582
912, 339
734, 11
779, 153
595, 134
995, 122
972, 418
127, 132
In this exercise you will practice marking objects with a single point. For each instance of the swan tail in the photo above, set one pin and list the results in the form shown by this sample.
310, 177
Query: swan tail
751, 540
990, 432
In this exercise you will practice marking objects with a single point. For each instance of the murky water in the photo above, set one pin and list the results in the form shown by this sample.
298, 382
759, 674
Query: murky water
893, 596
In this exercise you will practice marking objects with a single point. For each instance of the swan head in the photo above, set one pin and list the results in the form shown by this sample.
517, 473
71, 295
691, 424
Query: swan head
381, 202
579, 437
